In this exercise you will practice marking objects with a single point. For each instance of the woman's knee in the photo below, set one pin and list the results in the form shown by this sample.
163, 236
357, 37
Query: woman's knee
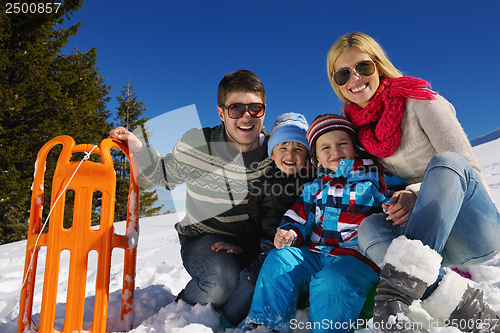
375, 234
366, 231
448, 159
372, 230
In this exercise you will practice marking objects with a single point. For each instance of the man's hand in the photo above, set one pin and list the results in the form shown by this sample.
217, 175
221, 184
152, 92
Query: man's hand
283, 238
127, 137
230, 248
400, 207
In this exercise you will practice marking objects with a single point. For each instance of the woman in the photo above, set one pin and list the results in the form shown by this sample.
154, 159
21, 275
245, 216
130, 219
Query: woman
445, 216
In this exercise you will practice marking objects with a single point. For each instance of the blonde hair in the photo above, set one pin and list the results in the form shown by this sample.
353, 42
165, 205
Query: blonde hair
367, 45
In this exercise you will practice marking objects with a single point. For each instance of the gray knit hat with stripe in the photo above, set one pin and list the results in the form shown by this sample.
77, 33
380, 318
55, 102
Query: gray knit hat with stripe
325, 123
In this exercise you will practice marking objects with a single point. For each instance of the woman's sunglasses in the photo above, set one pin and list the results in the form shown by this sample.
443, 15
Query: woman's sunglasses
364, 68
237, 110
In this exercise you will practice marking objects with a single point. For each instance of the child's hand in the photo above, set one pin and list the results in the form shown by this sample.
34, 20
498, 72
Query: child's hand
230, 248
283, 238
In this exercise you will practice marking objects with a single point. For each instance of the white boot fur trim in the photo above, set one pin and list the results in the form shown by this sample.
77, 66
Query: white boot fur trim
413, 258
445, 299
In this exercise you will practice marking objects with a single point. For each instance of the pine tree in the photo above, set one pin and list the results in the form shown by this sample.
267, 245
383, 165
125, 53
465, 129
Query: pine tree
43, 94
129, 115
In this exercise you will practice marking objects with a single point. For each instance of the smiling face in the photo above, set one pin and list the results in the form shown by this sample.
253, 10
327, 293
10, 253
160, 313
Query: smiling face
289, 156
359, 89
333, 146
244, 131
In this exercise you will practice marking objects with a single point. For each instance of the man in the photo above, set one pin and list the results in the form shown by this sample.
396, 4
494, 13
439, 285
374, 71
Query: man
218, 166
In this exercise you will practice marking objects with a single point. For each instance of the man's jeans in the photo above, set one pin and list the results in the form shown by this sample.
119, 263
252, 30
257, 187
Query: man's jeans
214, 274
237, 307
453, 214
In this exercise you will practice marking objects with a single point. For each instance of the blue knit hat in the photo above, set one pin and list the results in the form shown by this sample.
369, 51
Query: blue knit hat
288, 127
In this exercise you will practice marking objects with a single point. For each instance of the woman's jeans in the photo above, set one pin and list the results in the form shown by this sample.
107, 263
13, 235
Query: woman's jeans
214, 274
453, 214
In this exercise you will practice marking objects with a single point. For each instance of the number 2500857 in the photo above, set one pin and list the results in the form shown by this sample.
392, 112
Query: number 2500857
32, 8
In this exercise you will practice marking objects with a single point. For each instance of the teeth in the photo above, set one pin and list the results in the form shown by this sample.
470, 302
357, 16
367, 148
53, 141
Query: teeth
245, 127
359, 88
289, 163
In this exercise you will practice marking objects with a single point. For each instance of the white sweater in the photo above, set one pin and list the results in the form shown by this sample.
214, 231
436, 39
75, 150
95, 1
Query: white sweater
428, 128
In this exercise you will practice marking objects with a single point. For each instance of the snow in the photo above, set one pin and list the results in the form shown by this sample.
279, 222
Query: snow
160, 276
488, 155
412, 257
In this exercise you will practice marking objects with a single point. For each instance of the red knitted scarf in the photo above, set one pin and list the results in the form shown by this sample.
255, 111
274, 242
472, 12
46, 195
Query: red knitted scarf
379, 123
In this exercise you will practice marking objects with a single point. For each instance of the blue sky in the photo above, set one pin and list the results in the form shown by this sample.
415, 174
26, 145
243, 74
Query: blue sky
176, 52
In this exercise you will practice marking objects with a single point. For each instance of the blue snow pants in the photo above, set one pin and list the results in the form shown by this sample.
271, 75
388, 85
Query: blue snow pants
337, 288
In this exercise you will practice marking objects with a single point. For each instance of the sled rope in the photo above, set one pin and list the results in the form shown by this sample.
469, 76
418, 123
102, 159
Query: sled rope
86, 157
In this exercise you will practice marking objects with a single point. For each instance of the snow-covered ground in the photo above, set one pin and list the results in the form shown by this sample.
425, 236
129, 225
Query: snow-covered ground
488, 155
160, 276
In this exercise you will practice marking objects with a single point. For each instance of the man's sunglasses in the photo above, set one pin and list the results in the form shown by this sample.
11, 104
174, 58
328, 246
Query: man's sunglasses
364, 68
237, 110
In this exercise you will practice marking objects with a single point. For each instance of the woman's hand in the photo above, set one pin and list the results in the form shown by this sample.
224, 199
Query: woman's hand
127, 137
230, 248
283, 238
400, 206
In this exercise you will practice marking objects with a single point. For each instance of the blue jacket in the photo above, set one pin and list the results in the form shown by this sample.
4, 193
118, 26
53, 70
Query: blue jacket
328, 213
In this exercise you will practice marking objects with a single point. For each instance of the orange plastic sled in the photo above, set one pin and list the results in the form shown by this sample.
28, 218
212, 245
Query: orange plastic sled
80, 239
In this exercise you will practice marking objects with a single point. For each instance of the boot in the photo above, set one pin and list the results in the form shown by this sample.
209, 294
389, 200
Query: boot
409, 267
396, 291
461, 306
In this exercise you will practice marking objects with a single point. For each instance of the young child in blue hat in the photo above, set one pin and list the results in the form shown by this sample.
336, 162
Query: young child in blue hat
273, 194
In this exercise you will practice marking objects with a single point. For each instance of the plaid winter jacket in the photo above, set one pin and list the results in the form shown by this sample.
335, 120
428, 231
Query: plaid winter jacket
327, 215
